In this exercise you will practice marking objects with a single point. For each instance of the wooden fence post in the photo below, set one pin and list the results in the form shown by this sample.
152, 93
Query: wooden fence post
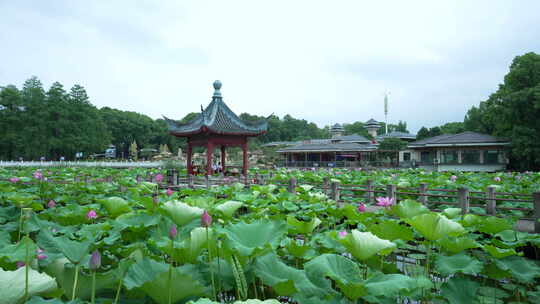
370, 193
391, 192
463, 197
207, 181
491, 204
292, 185
335, 191
422, 191
175, 177
190, 180
138, 178
326, 184
536, 202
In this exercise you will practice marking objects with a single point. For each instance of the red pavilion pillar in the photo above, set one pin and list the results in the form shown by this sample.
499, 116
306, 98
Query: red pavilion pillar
223, 159
189, 153
245, 156
209, 154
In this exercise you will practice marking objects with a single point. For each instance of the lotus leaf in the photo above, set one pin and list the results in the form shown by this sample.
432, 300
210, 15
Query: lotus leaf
181, 213
12, 286
363, 245
433, 226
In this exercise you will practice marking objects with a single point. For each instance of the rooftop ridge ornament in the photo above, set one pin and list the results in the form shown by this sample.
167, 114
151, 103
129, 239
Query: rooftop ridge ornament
217, 87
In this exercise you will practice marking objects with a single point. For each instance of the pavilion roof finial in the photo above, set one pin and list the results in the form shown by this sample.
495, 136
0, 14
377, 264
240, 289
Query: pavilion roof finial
217, 87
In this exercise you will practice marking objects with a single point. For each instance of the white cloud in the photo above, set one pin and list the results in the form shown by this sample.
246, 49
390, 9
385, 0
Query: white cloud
322, 61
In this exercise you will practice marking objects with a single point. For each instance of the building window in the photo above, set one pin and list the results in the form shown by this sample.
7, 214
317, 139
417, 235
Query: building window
491, 157
449, 157
406, 156
427, 157
470, 156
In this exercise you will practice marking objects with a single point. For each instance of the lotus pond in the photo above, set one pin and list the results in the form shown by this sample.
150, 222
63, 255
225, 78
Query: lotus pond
125, 241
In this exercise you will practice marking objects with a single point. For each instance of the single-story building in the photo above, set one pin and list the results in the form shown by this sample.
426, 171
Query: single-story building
467, 151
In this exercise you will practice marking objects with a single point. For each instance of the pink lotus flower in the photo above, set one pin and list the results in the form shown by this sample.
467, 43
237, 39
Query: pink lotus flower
453, 178
51, 204
385, 201
38, 175
169, 192
342, 234
159, 177
91, 215
361, 208
20, 264
14, 180
497, 179
173, 232
95, 260
40, 255
206, 219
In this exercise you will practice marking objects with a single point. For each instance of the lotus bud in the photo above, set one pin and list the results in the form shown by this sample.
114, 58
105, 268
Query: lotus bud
91, 215
20, 264
51, 204
361, 208
37, 175
453, 178
173, 232
497, 179
40, 254
169, 192
14, 180
342, 234
95, 260
159, 177
206, 219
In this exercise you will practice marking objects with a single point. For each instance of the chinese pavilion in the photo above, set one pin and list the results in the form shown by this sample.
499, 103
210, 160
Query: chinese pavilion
216, 126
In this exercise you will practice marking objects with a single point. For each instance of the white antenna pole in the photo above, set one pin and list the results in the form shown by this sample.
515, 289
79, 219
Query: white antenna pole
386, 111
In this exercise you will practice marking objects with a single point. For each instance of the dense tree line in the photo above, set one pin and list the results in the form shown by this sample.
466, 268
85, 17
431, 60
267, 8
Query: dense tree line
512, 112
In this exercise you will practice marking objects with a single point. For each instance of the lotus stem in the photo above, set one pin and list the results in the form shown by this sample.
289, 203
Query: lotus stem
93, 299
210, 265
75, 282
170, 283
117, 296
171, 271
26, 266
21, 218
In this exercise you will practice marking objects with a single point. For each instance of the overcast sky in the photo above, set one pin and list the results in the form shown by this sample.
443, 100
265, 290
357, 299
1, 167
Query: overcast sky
323, 61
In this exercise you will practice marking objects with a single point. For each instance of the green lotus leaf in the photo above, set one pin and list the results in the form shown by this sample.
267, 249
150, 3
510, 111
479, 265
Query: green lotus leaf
40, 300
391, 230
181, 213
229, 208
408, 208
17, 252
12, 286
452, 213
457, 244
492, 225
285, 280
389, 285
302, 227
522, 269
64, 272
499, 253
340, 269
250, 301
73, 250
433, 226
363, 245
115, 206
448, 265
460, 290
152, 278
306, 188
246, 237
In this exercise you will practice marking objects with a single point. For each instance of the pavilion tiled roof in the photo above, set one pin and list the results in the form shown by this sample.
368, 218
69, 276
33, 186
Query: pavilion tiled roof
217, 118
464, 138
398, 134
